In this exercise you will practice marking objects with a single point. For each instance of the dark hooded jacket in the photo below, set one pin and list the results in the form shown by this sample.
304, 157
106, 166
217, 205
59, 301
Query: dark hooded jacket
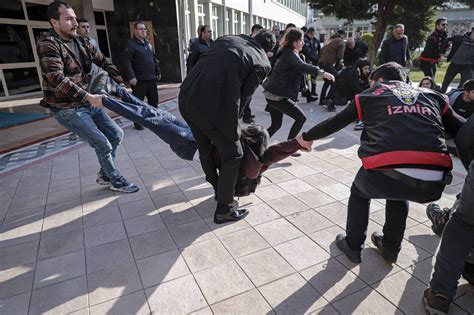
350, 81
225, 77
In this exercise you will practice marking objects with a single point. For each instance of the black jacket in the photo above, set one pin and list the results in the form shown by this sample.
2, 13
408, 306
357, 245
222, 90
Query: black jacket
140, 61
436, 45
196, 48
225, 77
311, 49
350, 81
285, 77
358, 52
456, 43
388, 51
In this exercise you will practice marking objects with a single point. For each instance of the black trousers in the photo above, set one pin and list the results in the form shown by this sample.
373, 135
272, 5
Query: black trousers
456, 243
221, 175
146, 88
327, 83
287, 107
452, 71
428, 68
375, 184
247, 112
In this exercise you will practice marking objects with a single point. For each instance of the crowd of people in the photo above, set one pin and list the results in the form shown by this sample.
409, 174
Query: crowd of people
404, 128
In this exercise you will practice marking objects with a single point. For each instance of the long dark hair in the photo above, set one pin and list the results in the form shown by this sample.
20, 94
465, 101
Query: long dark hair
257, 138
292, 35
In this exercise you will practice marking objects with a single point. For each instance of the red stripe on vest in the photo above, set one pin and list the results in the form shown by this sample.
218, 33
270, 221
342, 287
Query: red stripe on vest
359, 108
446, 105
407, 157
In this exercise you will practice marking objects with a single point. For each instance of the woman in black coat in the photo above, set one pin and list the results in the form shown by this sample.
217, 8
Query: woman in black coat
282, 86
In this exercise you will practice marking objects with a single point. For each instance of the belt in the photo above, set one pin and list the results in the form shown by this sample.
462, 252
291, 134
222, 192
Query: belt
418, 183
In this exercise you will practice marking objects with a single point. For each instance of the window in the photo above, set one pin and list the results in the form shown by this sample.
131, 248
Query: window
2, 91
201, 14
22, 80
11, 9
37, 12
103, 42
15, 44
99, 18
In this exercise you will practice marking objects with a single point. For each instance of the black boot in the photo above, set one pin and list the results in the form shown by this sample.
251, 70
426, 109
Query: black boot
389, 256
229, 212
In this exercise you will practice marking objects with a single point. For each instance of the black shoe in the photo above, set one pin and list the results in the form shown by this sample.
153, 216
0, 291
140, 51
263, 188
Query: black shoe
323, 101
234, 214
330, 105
248, 120
438, 217
314, 94
310, 99
267, 108
138, 127
468, 273
435, 303
377, 240
352, 254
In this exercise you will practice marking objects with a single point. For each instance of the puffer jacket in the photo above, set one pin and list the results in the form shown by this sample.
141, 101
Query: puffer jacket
285, 78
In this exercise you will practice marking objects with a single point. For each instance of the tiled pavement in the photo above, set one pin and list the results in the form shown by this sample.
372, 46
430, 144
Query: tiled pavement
70, 246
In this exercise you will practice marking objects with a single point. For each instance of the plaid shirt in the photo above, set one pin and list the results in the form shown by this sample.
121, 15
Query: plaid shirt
64, 78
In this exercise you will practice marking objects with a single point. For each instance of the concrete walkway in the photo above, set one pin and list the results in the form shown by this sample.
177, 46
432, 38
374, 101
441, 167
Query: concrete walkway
68, 245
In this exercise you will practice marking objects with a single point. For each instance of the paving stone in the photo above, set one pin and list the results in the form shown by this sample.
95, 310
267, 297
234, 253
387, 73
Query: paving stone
59, 268
18, 255
366, 301
194, 232
404, 291
270, 192
250, 302
325, 238
331, 279
16, 280
337, 191
278, 231
260, 213
292, 295
27, 203
60, 298
278, 176
226, 228
373, 267
302, 253
134, 303
162, 267
113, 282
108, 255
102, 216
216, 288
59, 245
265, 266
287, 205
314, 198
309, 221
177, 296
180, 215
21, 232
205, 254
295, 186
58, 221
244, 242
137, 208
17, 304
422, 236
104, 233
152, 243
143, 224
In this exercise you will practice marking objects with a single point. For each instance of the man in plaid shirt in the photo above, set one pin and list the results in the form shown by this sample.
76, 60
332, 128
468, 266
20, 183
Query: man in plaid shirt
65, 61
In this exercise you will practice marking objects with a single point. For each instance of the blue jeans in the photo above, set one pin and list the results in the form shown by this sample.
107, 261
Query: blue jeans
165, 125
456, 243
99, 130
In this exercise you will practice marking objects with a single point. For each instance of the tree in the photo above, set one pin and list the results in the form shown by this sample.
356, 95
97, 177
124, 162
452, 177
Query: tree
417, 13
